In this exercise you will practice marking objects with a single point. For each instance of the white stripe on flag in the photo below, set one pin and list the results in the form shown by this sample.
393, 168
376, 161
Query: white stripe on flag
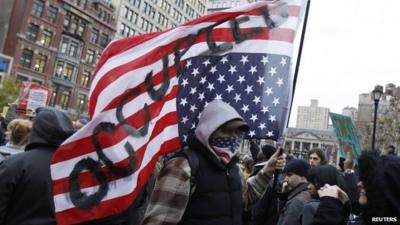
129, 108
127, 80
126, 185
144, 48
116, 153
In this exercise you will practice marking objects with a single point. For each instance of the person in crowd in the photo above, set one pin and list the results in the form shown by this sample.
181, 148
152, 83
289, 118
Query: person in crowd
263, 156
3, 130
18, 131
247, 166
318, 177
78, 124
391, 150
379, 187
203, 185
316, 157
265, 210
296, 187
379, 191
25, 181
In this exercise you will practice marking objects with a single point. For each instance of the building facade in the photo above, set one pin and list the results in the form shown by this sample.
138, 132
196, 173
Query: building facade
313, 116
136, 17
57, 44
365, 116
350, 111
299, 141
217, 5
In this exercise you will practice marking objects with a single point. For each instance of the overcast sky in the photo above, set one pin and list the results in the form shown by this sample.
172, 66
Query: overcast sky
350, 46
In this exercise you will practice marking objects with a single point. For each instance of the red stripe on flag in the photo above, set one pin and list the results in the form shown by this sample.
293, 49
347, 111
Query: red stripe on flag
219, 35
85, 144
87, 179
115, 205
155, 55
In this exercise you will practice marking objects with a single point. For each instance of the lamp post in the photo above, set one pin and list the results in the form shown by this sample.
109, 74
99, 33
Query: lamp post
376, 95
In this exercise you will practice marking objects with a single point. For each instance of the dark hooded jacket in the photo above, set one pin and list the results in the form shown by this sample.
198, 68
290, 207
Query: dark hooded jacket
381, 180
25, 181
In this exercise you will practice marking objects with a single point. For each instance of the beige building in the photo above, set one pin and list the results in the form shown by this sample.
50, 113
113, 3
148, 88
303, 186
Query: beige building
217, 5
136, 17
312, 117
298, 142
350, 111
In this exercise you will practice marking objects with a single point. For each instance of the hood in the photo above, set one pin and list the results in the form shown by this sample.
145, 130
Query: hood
213, 116
380, 173
50, 127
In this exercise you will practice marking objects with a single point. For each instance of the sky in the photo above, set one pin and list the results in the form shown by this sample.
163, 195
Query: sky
349, 47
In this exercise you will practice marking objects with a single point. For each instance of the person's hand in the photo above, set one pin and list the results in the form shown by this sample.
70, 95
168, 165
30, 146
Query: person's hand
285, 187
275, 163
348, 163
334, 192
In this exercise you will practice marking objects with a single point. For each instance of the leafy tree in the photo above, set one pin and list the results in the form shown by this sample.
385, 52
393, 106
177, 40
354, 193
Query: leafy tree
8, 91
388, 125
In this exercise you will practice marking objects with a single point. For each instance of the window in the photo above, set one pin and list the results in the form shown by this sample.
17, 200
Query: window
104, 40
65, 97
85, 79
67, 20
81, 29
37, 9
64, 70
94, 37
52, 14
26, 58
46, 38
70, 47
40, 64
53, 95
81, 102
73, 49
32, 32
90, 56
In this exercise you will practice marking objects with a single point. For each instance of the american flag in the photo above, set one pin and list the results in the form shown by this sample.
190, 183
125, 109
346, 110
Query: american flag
147, 93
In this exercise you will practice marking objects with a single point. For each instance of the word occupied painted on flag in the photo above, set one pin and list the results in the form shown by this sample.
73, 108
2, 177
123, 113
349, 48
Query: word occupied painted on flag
148, 91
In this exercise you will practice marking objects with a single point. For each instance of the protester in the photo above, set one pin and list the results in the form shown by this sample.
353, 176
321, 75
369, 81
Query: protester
247, 166
379, 191
3, 130
203, 185
265, 211
295, 186
379, 188
25, 182
318, 177
391, 150
316, 157
266, 152
78, 124
19, 131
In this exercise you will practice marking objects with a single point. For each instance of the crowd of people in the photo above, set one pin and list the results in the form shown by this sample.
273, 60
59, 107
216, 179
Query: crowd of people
209, 182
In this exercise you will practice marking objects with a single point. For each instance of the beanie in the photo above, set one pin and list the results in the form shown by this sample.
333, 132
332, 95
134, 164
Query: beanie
297, 166
268, 150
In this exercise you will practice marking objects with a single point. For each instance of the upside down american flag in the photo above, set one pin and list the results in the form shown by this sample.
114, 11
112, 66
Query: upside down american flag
148, 91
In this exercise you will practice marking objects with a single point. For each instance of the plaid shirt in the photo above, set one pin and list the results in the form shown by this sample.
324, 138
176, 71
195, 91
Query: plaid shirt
172, 191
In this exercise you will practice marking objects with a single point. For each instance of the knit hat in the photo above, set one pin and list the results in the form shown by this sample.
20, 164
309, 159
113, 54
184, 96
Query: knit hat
268, 150
297, 166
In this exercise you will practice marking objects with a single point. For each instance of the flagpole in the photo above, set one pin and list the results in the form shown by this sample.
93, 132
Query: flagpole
299, 57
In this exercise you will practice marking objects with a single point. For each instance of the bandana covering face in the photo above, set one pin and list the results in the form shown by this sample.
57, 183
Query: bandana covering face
225, 147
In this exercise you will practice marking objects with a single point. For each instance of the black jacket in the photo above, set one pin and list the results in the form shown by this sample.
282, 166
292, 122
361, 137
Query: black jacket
25, 181
217, 197
331, 211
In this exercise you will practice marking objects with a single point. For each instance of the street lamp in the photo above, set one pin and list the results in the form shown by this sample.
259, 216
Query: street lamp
376, 95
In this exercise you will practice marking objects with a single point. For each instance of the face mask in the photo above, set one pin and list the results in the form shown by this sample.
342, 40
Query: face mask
226, 147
